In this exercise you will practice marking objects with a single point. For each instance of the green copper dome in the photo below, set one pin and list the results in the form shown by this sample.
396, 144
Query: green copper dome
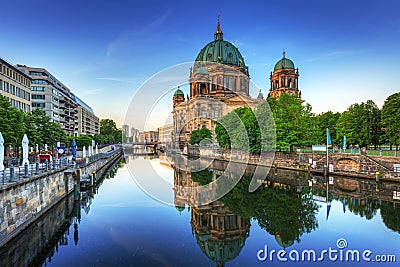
284, 63
178, 92
220, 51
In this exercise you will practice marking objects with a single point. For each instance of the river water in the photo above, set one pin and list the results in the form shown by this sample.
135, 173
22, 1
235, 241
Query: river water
117, 224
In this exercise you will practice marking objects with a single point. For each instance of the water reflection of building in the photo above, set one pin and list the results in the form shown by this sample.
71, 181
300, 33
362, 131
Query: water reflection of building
220, 233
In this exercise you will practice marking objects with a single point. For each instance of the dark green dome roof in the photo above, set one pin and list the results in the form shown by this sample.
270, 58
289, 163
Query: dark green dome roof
178, 92
221, 51
284, 63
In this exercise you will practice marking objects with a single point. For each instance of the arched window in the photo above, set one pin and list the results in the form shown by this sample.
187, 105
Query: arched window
290, 83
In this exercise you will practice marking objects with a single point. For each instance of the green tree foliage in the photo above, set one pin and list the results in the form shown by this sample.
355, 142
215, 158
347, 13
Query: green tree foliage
266, 122
390, 213
327, 120
202, 177
36, 125
82, 140
391, 119
202, 135
239, 129
109, 133
295, 124
283, 212
361, 124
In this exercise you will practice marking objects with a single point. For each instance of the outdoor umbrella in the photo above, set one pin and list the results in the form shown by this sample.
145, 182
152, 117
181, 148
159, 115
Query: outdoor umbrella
73, 144
1, 152
90, 151
97, 150
84, 152
25, 148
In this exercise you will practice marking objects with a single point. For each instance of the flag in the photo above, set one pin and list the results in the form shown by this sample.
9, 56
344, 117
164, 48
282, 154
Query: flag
344, 206
344, 142
328, 137
328, 209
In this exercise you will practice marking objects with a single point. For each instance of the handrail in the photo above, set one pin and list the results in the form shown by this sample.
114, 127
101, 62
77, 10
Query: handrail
15, 174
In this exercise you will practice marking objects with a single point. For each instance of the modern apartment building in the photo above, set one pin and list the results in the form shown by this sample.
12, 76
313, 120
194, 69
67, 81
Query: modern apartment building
51, 95
88, 122
15, 86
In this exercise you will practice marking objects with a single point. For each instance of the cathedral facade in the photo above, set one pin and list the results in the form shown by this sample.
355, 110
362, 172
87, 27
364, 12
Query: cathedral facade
219, 83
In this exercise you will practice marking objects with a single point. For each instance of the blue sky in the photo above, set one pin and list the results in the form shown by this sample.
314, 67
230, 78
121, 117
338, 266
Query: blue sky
346, 51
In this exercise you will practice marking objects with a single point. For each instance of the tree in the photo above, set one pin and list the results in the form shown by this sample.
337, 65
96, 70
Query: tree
327, 120
361, 124
109, 133
83, 140
391, 120
294, 122
198, 136
239, 129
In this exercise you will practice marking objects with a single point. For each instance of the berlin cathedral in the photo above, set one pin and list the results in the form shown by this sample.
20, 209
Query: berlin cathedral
219, 83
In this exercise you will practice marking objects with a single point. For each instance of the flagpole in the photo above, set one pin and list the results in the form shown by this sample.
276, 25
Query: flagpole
327, 152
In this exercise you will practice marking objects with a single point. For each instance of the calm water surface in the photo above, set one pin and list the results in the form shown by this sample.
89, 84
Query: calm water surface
119, 225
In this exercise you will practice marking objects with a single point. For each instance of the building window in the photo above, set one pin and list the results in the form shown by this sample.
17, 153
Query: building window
38, 96
39, 82
35, 73
12, 89
38, 105
204, 114
1, 84
6, 87
37, 88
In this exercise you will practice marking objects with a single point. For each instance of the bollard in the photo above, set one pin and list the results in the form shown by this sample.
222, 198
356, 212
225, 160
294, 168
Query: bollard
75, 191
26, 169
11, 173
37, 168
377, 176
46, 163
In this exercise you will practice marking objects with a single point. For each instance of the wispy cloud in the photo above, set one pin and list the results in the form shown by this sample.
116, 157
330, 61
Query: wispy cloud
332, 55
133, 37
90, 92
136, 81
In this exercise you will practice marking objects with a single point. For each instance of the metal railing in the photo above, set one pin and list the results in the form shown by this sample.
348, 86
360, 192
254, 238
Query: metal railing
18, 173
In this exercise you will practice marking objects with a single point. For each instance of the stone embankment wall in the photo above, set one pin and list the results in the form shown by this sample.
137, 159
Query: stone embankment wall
22, 202
30, 248
343, 164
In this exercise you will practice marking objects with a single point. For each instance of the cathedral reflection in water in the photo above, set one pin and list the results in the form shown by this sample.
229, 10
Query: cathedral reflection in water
220, 233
